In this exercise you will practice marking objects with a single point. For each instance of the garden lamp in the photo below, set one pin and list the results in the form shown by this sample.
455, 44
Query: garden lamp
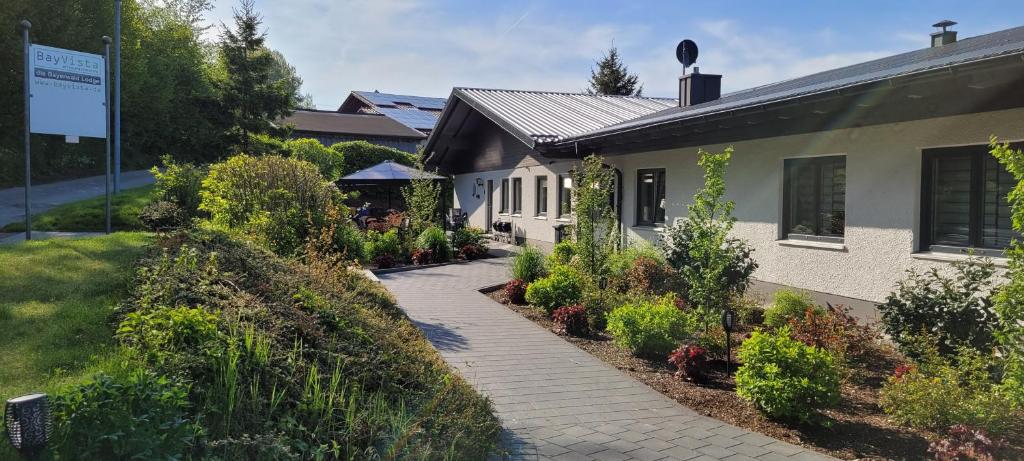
28, 423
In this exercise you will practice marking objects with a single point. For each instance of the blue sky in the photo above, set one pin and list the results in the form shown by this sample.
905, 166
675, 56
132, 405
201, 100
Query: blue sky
426, 47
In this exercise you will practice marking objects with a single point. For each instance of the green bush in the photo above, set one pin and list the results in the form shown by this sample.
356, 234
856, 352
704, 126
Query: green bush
785, 378
528, 265
348, 241
956, 309
329, 162
179, 183
383, 244
432, 239
939, 392
561, 254
162, 216
468, 235
359, 155
789, 305
599, 303
650, 328
137, 416
621, 262
160, 332
562, 287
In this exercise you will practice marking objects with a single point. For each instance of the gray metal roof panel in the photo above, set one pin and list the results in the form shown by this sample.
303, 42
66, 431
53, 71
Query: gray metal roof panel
971, 49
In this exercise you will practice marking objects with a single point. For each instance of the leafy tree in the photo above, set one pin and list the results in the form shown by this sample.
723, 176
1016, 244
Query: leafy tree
613, 78
715, 268
251, 94
285, 73
422, 198
1009, 300
596, 228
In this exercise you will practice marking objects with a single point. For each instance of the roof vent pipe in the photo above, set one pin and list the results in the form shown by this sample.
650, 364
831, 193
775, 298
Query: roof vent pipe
944, 36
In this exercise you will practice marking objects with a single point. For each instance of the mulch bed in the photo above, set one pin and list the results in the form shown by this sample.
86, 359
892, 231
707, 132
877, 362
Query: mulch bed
859, 429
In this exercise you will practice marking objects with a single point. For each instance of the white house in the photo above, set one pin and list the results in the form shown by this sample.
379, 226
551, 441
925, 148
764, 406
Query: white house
842, 179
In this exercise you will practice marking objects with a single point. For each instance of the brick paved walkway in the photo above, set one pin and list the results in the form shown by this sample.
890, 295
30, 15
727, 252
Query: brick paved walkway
555, 400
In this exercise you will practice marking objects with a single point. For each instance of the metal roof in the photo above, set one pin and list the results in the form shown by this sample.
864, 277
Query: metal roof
549, 116
388, 171
973, 49
354, 124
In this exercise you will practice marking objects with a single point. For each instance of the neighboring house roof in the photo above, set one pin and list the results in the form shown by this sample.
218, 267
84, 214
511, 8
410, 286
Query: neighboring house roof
387, 171
417, 112
351, 124
968, 50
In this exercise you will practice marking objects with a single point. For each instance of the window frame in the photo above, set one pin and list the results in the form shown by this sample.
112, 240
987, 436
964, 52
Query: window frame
503, 197
790, 164
562, 213
540, 203
663, 187
517, 196
976, 212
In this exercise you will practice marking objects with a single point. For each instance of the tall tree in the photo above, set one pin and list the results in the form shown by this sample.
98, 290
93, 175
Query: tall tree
252, 97
613, 78
284, 72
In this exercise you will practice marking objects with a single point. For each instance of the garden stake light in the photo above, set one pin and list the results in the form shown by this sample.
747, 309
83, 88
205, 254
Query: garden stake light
27, 419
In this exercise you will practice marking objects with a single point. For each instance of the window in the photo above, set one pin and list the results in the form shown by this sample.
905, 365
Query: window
542, 196
564, 196
504, 197
814, 204
650, 197
964, 201
517, 195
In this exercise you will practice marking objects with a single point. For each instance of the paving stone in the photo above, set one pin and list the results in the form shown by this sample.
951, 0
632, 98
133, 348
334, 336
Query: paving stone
633, 436
646, 454
716, 451
610, 455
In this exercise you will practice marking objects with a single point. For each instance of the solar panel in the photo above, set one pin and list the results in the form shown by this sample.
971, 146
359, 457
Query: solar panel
387, 99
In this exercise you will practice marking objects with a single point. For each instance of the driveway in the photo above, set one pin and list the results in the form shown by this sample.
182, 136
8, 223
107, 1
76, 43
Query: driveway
46, 196
555, 400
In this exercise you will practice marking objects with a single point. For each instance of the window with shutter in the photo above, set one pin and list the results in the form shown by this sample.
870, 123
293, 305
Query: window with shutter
814, 203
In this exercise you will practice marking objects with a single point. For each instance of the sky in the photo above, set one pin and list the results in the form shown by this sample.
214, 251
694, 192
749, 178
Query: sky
425, 48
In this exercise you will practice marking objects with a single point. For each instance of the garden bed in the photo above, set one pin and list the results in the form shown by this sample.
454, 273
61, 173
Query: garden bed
859, 429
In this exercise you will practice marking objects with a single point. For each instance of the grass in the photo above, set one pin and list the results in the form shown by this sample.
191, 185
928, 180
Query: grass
88, 215
57, 297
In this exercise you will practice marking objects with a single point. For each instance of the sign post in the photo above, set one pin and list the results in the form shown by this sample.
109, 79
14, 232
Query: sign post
106, 107
25, 26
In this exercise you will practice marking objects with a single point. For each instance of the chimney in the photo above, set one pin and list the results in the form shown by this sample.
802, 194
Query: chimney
696, 88
943, 37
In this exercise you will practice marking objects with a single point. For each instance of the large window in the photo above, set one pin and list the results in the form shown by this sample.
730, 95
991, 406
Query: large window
517, 195
650, 197
814, 205
504, 197
541, 206
964, 201
564, 196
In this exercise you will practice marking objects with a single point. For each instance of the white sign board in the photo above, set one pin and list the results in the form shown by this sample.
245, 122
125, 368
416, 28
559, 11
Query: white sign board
68, 92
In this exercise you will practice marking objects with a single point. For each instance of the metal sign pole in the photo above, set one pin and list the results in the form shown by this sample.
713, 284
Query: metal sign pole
117, 96
25, 26
106, 104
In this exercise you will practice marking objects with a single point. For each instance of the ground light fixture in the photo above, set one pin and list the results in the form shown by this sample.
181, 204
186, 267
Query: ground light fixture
28, 423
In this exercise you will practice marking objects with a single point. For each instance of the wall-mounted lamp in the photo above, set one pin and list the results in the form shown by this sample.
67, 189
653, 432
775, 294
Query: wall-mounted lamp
28, 423
476, 187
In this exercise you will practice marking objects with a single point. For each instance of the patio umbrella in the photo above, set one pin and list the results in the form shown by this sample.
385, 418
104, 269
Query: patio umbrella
386, 173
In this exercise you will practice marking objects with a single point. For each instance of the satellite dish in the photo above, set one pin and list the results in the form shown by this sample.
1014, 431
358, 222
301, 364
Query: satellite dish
686, 52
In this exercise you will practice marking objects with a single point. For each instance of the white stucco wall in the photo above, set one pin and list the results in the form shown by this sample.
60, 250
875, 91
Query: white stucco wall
882, 198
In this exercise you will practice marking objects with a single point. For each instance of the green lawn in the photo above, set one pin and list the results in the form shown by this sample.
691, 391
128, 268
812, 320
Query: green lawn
88, 215
56, 297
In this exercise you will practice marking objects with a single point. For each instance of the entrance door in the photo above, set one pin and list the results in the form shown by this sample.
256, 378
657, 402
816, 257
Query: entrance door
489, 199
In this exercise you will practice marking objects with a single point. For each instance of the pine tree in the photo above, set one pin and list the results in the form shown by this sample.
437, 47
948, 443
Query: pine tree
613, 78
253, 98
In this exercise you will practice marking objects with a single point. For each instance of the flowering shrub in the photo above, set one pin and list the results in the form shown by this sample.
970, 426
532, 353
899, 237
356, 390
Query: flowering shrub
421, 256
648, 276
785, 378
571, 320
515, 291
563, 287
964, 444
836, 331
649, 328
471, 252
691, 361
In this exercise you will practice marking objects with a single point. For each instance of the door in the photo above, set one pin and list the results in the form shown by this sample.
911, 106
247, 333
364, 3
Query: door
489, 200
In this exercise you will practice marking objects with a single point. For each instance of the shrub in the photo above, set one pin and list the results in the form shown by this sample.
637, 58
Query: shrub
423, 199
786, 379
140, 415
358, 155
380, 244
571, 320
468, 235
563, 287
528, 264
749, 310
963, 443
160, 332
348, 241
648, 276
422, 257
162, 216
600, 303
690, 361
620, 262
328, 161
471, 252
789, 305
562, 253
836, 331
384, 261
649, 328
179, 183
939, 392
433, 239
515, 291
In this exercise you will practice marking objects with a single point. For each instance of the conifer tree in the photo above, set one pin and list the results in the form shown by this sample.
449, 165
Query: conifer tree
613, 78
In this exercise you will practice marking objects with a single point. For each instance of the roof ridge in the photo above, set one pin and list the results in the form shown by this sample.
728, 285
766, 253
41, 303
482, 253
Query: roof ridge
566, 93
